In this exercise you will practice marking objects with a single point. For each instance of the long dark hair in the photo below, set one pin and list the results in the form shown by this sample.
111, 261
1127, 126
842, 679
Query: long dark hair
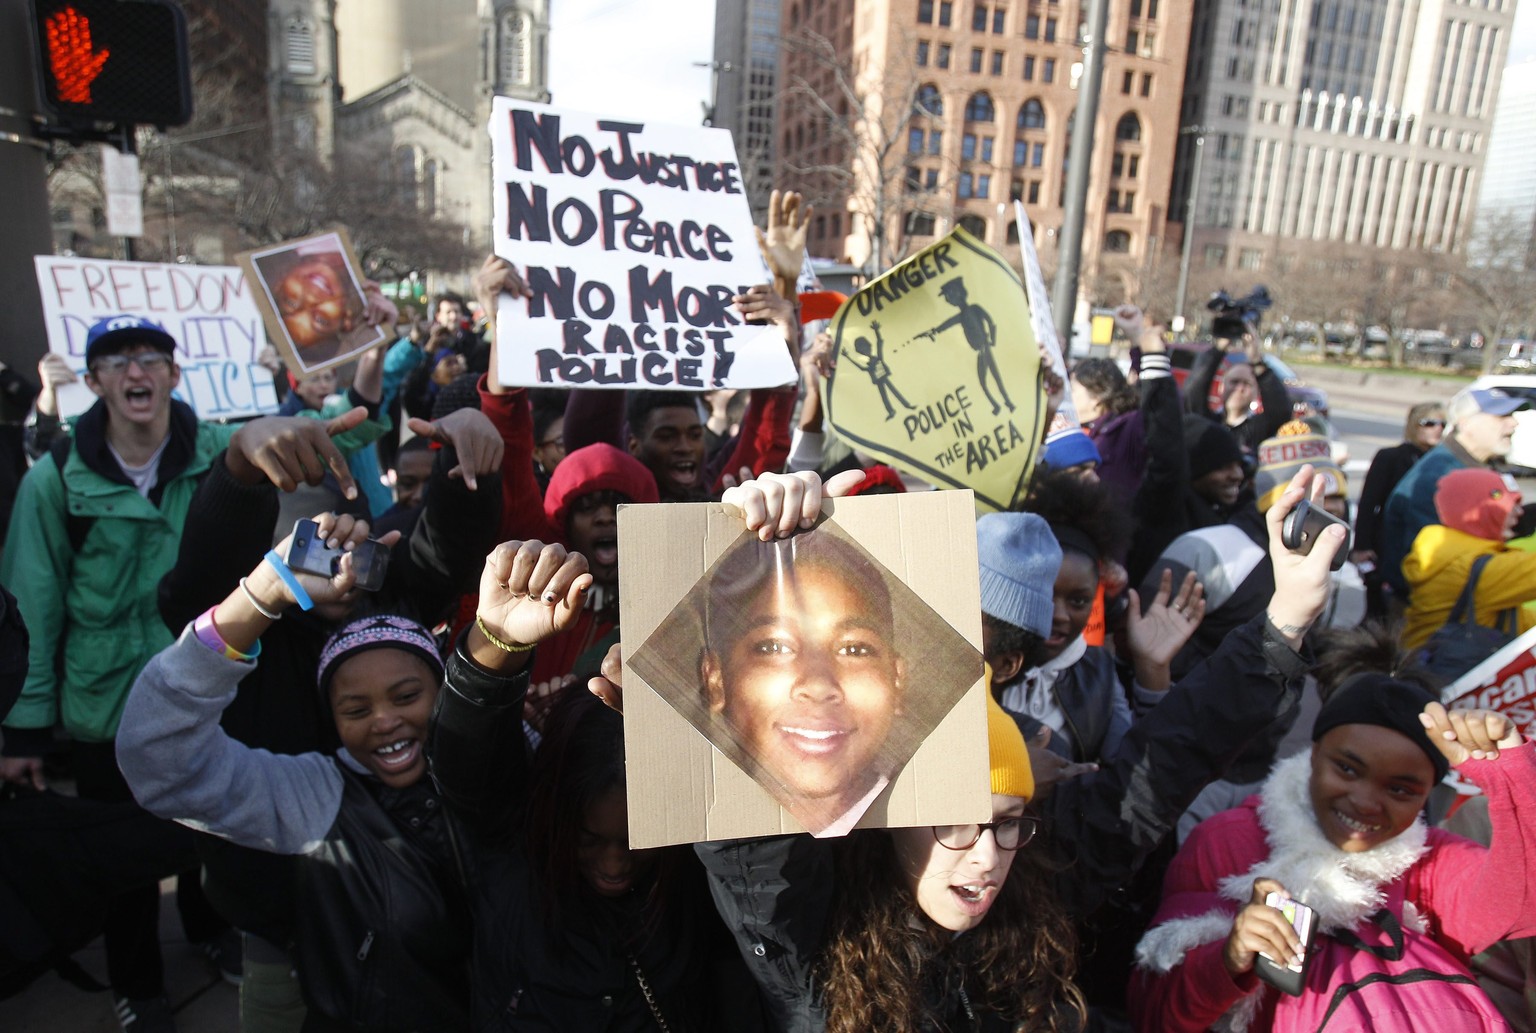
882, 953
580, 760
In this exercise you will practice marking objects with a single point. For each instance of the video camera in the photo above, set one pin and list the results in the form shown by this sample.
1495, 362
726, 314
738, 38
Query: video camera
1234, 318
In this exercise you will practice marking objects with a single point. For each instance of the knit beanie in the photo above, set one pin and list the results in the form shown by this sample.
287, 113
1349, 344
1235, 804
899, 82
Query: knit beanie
1019, 561
1476, 501
1069, 447
383, 631
1210, 445
1011, 771
1295, 445
1381, 700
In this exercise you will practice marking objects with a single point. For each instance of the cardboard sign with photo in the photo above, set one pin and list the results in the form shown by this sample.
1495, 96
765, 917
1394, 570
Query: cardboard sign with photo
311, 296
823, 682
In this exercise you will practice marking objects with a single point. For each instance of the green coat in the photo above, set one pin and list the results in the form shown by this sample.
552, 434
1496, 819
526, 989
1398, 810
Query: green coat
92, 613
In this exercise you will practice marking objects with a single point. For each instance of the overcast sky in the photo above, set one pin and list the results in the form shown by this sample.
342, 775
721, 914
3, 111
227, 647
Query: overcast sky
634, 58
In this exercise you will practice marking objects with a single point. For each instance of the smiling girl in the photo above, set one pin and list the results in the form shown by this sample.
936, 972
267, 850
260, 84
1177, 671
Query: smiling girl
1400, 907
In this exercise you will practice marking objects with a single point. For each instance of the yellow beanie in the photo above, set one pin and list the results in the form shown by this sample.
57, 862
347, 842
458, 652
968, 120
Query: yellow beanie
1011, 773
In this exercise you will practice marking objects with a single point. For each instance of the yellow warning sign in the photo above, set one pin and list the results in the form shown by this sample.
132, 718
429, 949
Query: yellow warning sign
938, 373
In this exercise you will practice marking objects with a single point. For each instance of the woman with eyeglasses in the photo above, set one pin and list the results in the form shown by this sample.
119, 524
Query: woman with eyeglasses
1422, 432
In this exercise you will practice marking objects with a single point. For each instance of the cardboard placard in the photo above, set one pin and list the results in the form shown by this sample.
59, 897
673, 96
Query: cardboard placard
1505, 682
802, 684
206, 308
310, 292
938, 372
634, 238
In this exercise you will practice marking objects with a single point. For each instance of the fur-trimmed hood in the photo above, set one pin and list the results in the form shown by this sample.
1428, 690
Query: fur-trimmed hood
1343, 888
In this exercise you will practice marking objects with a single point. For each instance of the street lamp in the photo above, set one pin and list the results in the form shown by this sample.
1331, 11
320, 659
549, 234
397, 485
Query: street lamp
715, 68
1199, 133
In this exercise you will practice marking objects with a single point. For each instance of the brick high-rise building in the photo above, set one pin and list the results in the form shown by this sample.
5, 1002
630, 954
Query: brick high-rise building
903, 117
1345, 135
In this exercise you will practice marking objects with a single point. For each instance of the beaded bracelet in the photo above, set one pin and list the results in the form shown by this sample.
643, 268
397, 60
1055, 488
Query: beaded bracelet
505, 647
300, 596
206, 632
251, 598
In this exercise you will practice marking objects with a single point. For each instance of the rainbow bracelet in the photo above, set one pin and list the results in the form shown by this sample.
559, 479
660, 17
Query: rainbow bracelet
206, 632
281, 569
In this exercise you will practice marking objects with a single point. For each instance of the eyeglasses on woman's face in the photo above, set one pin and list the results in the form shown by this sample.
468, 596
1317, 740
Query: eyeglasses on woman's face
1432, 423
1010, 833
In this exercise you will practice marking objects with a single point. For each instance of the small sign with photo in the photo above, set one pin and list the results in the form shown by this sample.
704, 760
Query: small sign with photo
310, 292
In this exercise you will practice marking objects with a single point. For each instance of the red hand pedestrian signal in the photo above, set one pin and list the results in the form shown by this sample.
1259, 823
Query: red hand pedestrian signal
74, 63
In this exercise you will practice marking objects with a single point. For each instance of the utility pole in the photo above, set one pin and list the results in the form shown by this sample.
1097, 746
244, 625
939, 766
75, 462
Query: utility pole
1070, 251
24, 185
1199, 133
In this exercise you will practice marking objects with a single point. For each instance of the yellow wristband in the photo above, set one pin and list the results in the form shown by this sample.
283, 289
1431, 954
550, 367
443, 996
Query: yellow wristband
505, 647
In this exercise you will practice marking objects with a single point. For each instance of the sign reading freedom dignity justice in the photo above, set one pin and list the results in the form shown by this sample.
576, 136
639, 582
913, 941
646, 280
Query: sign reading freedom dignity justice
938, 372
634, 238
208, 309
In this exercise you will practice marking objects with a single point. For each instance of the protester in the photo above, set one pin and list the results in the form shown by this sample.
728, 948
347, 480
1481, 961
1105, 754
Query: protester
381, 890
1246, 386
1424, 428
1478, 512
1399, 907
95, 525
1480, 424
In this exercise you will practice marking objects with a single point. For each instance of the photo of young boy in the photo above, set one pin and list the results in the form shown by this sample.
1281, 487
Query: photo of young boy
311, 296
801, 659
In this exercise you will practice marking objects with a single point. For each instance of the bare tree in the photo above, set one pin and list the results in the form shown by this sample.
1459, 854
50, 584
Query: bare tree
858, 131
1499, 283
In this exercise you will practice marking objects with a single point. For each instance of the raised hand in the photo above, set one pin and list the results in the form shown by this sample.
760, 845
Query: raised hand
53, 372
783, 243
528, 592
1260, 928
1464, 735
1156, 636
290, 450
776, 504
377, 309
497, 276
474, 438
1302, 583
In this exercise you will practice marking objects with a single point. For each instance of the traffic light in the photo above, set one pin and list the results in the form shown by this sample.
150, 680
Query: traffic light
113, 61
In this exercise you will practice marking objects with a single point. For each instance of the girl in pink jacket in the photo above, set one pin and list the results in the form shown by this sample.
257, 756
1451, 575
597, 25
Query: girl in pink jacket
1399, 906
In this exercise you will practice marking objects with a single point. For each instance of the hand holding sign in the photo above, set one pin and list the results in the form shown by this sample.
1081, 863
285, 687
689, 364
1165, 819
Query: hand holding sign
53, 372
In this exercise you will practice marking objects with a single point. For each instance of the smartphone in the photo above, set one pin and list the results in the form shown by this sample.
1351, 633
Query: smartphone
1289, 978
1305, 523
308, 552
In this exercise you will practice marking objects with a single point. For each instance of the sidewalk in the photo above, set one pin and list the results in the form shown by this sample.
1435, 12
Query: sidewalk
203, 1002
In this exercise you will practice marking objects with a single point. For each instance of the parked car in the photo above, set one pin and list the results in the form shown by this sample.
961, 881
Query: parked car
1304, 400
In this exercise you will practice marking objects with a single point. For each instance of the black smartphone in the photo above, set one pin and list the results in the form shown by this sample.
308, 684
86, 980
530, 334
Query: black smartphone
309, 553
1289, 978
1305, 523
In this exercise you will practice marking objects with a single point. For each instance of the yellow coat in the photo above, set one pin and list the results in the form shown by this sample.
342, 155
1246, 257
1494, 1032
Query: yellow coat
1437, 568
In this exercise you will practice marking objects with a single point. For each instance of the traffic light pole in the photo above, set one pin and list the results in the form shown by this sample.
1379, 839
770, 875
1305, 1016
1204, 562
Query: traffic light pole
24, 185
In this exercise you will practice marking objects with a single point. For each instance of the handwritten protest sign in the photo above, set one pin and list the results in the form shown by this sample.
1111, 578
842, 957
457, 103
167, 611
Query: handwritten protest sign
634, 238
207, 309
938, 372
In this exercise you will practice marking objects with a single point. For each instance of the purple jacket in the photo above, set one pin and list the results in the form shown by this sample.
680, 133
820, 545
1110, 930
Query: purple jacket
1122, 445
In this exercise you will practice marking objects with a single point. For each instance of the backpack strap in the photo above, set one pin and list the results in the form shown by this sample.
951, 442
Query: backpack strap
1464, 612
76, 526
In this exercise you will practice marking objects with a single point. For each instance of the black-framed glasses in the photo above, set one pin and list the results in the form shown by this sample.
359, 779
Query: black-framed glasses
148, 361
1010, 833
1432, 423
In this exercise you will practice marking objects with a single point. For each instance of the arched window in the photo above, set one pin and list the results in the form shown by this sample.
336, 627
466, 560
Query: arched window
429, 187
1032, 115
299, 46
928, 102
405, 177
1117, 242
1129, 127
979, 108
513, 49
975, 225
